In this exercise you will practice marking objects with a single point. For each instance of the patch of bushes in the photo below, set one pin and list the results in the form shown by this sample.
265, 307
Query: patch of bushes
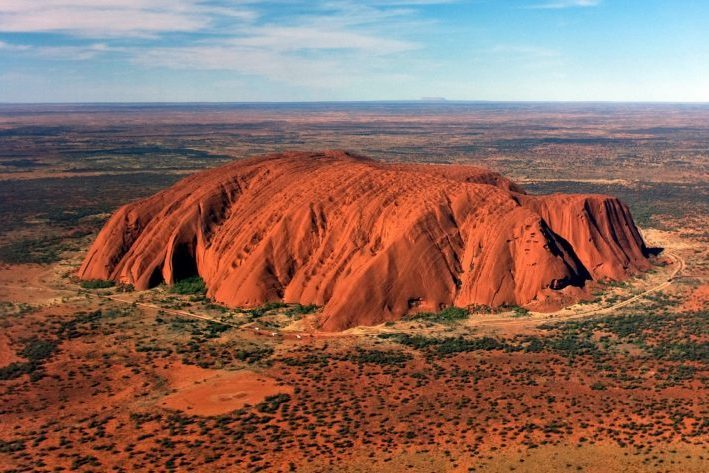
447, 315
677, 374
125, 288
532, 345
11, 446
662, 334
267, 307
566, 344
688, 351
189, 286
451, 345
379, 357
81, 461
418, 342
197, 352
271, 404
37, 352
43, 250
254, 354
16, 369
71, 328
447, 345
518, 312
320, 359
572, 345
297, 309
96, 284
212, 330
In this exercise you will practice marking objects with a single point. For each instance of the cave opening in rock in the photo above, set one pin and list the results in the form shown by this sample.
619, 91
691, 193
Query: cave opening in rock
156, 278
184, 264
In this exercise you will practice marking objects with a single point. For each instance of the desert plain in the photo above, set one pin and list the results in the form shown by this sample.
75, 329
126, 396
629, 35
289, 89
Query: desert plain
98, 376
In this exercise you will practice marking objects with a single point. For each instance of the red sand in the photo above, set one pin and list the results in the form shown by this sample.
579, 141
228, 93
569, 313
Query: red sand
213, 392
369, 241
7, 354
698, 300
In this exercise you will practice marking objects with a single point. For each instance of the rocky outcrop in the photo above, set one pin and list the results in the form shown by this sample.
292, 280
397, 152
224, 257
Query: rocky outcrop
368, 241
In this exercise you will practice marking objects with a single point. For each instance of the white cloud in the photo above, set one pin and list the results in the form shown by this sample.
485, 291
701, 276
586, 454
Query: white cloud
356, 30
297, 38
141, 18
322, 45
112, 18
12, 47
70, 53
335, 71
327, 47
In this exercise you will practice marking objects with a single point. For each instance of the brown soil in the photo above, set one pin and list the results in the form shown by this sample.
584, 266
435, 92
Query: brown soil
212, 392
698, 300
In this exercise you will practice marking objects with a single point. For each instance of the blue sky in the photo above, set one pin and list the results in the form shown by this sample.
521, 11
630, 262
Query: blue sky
252, 50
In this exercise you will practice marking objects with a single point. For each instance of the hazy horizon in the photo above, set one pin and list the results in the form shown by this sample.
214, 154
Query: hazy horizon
382, 101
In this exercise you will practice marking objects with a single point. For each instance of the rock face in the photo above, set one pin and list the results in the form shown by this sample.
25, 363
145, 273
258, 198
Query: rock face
369, 241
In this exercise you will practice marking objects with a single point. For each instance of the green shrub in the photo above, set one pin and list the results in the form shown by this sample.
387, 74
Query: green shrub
96, 284
519, 312
37, 350
448, 345
688, 351
298, 309
43, 250
418, 342
271, 404
447, 315
253, 354
267, 307
16, 369
379, 357
11, 446
459, 345
191, 285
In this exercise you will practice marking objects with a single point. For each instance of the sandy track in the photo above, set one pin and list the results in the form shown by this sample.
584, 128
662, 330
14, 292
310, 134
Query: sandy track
681, 264
549, 317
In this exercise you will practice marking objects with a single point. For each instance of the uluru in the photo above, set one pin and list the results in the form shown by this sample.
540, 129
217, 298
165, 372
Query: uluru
368, 241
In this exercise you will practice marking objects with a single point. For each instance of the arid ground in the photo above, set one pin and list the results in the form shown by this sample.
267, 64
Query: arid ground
99, 377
